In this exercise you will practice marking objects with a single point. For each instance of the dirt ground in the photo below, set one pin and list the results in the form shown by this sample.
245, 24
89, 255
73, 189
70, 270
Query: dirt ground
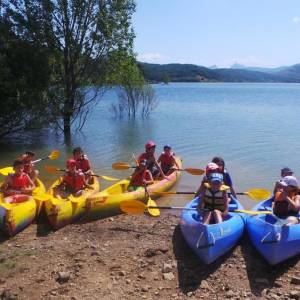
133, 257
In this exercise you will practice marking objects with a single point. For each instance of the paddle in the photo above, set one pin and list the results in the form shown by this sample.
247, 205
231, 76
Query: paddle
151, 204
125, 166
53, 155
52, 170
138, 207
255, 194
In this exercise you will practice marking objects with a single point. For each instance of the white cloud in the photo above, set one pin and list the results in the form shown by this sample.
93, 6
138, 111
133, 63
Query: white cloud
296, 19
151, 57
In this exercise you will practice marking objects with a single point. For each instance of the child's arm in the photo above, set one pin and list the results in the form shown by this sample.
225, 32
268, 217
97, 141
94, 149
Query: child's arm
148, 178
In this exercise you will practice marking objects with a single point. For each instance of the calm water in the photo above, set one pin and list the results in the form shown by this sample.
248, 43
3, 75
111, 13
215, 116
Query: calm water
254, 127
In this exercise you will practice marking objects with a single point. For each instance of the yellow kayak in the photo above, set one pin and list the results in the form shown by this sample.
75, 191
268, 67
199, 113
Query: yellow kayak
61, 212
107, 202
14, 217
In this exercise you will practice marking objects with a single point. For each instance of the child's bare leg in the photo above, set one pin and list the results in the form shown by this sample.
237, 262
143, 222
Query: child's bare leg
218, 216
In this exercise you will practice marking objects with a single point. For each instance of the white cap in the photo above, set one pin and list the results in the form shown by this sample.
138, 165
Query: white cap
289, 180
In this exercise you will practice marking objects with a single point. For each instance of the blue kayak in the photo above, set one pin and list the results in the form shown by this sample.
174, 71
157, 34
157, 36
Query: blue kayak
209, 242
274, 241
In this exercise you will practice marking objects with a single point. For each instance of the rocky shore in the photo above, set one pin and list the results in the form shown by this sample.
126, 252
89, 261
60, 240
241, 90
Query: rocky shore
134, 257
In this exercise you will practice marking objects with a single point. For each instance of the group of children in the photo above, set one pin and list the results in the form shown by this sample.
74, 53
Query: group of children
149, 168
18, 186
216, 184
213, 191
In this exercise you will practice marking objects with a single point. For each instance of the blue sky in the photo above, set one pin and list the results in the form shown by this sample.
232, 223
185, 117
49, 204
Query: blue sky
218, 32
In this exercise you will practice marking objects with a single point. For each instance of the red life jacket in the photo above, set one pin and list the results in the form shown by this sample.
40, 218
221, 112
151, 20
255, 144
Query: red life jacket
167, 160
138, 179
149, 158
75, 182
83, 164
19, 182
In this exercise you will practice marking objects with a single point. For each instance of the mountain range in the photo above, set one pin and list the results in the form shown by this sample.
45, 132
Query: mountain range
237, 73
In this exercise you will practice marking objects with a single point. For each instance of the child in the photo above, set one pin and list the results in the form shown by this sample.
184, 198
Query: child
140, 177
73, 182
17, 187
287, 201
83, 164
284, 172
227, 179
152, 164
27, 159
214, 199
167, 160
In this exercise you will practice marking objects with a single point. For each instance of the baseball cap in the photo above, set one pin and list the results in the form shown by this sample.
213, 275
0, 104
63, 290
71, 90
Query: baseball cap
289, 181
286, 170
216, 177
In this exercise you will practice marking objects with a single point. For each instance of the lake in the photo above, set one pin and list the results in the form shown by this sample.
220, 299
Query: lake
254, 127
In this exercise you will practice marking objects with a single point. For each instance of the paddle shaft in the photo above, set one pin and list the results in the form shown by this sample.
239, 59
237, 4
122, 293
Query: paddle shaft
40, 159
172, 207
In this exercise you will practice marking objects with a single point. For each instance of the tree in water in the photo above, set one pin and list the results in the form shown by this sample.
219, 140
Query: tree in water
81, 36
135, 96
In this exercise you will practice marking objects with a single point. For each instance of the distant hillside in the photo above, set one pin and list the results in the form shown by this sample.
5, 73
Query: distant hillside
194, 73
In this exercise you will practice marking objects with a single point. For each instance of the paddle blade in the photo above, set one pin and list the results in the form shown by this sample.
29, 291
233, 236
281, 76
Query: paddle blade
154, 212
54, 154
120, 166
51, 169
6, 171
193, 171
132, 207
258, 194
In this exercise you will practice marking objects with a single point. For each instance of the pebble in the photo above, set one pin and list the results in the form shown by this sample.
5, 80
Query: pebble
230, 294
128, 281
295, 280
168, 276
63, 277
204, 285
167, 268
295, 294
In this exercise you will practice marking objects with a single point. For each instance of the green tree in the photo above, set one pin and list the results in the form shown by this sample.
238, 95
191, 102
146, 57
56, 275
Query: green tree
135, 96
81, 35
22, 96
165, 78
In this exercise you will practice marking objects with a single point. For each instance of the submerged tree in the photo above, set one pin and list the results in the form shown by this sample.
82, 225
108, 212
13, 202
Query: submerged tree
135, 96
81, 35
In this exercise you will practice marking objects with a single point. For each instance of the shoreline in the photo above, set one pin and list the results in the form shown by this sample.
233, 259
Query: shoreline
134, 257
